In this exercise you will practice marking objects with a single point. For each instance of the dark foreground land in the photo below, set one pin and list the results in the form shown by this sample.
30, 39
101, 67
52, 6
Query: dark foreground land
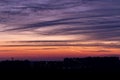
95, 64
68, 69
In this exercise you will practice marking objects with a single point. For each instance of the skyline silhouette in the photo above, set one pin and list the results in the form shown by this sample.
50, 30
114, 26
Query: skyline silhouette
79, 65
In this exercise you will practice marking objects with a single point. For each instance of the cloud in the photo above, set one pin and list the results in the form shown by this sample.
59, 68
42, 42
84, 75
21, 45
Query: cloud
97, 19
5, 50
102, 51
61, 43
49, 48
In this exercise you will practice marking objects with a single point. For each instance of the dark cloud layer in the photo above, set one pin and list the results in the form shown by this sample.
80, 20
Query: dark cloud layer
98, 19
63, 43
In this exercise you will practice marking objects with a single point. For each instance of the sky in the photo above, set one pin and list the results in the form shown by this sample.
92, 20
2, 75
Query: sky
55, 29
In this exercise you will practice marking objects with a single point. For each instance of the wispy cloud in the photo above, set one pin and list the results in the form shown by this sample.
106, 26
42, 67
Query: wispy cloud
96, 19
61, 43
102, 51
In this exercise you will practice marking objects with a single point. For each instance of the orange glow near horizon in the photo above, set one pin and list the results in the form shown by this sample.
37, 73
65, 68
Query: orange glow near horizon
54, 52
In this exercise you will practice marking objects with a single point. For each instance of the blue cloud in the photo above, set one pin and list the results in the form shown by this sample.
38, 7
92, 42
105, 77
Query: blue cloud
98, 19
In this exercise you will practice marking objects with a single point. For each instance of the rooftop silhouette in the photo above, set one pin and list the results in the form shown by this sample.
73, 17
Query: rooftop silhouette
89, 64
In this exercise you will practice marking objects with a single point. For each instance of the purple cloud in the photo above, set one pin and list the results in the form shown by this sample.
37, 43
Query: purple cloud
98, 19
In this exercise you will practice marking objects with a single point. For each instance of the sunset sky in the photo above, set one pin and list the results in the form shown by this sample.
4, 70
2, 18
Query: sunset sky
55, 29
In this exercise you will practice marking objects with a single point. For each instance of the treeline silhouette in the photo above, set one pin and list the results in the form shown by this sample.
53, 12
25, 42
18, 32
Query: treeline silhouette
89, 64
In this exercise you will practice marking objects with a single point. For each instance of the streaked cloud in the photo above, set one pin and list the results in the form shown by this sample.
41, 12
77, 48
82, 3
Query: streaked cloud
102, 51
93, 19
60, 23
83, 44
